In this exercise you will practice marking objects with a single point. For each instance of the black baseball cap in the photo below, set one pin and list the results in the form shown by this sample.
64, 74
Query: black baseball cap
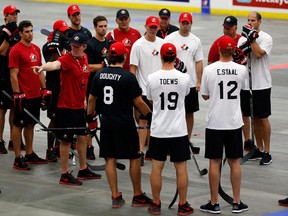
78, 39
122, 13
164, 12
230, 21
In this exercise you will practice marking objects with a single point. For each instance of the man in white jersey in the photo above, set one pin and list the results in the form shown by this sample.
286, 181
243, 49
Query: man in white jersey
222, 82
261, 45
167, 89
189, 50
145, 59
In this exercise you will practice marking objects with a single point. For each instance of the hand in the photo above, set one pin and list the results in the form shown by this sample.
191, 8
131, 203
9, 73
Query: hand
54, 40
46, 98
239, 56
179, 65
105, 63
245, 47
92, 123
249, 32
9, 29
37, 69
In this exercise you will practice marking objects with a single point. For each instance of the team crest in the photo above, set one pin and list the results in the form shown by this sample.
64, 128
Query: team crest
184, 47
155, 52
104, 52
85, 69
126, 42
33, 57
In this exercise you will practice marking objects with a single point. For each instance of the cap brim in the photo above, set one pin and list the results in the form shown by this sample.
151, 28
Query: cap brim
187, 20
64, 28
152, 24
75, 44
164, 16
227, 25
76, 11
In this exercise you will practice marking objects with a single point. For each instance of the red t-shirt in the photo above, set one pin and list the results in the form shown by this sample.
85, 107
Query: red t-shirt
24, 57
74, 75
213, 55
127, 38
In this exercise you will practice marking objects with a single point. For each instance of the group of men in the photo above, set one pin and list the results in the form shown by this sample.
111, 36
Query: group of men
122, 77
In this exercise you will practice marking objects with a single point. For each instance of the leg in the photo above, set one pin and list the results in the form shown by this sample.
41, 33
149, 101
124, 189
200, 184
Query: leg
29, 135
214, 179
81, 149
182, 180
246, 128
111, 174
135, 175
16, 138
156, 179
235, 178
2, 122
64, 155
266, 133
142, 134
51, 136
190, 123
11, 116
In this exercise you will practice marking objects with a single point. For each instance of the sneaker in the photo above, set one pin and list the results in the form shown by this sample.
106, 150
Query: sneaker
142, 157
185, 209
90, 153
3, 150
257, 155
248, 145
20, 163
69, 179
141, 200
283, 202
238, 208
87, 174
154, 209
34, 159
266, 159
50, 156
118, 201
22, 147
214, 209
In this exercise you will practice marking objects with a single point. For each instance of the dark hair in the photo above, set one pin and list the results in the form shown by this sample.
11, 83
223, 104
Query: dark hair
168, 58
116, 59
258, 15
24, 24
99, 19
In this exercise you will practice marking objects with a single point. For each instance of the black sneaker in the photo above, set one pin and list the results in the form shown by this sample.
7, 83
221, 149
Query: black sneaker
50, 156
87, 174
238, 208
90, 153
20, 163
118, 201
3, 150
257, 155
22, 147
266, 159
185, 209
283, 202
142, 156
34, 159
248, 145
141, 200
214, 209
69, 179
154, 209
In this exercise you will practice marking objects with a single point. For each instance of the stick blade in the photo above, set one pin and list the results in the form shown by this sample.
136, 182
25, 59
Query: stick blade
45, 32
203, 172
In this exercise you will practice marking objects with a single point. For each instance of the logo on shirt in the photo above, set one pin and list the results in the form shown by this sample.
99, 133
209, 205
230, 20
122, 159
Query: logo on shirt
155, 52
33, 57
85, 69
104, 52
184, 47
126, 42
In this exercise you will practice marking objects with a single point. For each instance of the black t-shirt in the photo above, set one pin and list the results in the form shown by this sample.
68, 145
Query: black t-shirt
163, 34
83, 30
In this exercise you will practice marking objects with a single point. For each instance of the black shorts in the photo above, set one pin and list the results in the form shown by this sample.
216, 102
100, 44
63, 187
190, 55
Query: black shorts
52, 109
5, 102
70, 118
119, 142
23, 119
261, 103
215, 140
177, 147
192, 101
149, 105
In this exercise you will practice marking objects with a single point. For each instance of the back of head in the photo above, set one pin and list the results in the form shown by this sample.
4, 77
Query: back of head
9, 10
60, 25
117, 53
168, 52
226, 46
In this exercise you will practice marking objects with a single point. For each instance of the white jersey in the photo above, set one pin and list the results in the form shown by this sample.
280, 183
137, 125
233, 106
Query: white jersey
261, 77
167, 89
222, 82
189, 50
146, 56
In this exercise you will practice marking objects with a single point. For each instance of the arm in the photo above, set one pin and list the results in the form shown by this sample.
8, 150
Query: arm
258, 52
141, 105
49, 66
199, 71
14, 79
133, 69
42, 80
91, 104
95, 67
4, 48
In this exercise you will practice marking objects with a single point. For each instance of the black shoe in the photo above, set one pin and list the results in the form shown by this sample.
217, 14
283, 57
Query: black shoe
283, 202
22, 147
154, 209
266, 159
249, 145
90, 153
50, 156
238, 208
141, 200
185, 209
142, 156
20, 163
3, 150
214, 209
34, 159
69, 179
10, 145
195, 150
87, 174
257, 155
118, 201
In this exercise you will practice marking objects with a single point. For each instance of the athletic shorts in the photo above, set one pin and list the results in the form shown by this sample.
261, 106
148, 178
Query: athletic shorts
33, 107
144, 97
192, 101
177, 147
5, 102
70, 118
261, 103
52, 109
119, 142
215, 140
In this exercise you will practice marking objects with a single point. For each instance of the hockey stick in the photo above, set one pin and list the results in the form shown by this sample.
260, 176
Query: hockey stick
221, 192
45, 32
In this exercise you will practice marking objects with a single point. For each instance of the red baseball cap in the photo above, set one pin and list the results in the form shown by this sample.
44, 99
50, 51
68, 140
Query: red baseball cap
227, 44
73, 9
185, 16
10, 9
60, 25
168, 49
152, 21
118, 49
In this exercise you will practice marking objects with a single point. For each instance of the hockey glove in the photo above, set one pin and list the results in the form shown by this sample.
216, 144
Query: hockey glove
92, 123
245, 47
19, 103
105, 63
249, 32
179, 65
54, 40
9, 30
239, 56
46, 98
